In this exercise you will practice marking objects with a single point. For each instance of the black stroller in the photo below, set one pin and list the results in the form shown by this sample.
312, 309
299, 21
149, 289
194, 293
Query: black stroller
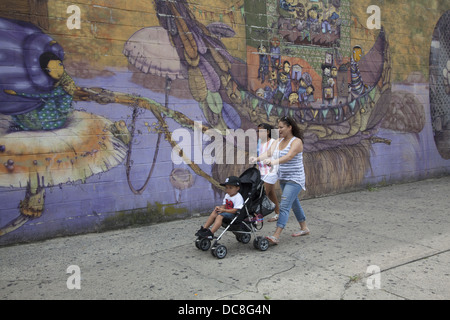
248, 220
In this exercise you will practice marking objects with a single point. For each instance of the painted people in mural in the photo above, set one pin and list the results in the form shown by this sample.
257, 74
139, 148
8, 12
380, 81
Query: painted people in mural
263, 70
335, 92
310, 22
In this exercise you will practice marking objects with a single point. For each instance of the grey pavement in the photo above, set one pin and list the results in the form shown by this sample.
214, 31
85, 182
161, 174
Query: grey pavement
403, 231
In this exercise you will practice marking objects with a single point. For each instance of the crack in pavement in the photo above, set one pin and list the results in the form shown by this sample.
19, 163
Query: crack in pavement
361, 278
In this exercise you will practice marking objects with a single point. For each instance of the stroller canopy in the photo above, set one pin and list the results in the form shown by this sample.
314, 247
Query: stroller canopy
250, 182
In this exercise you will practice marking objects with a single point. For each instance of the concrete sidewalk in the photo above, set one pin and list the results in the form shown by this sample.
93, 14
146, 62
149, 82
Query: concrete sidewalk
404, 230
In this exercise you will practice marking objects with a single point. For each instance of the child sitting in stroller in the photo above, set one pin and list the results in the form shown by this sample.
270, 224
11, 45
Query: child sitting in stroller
232, 202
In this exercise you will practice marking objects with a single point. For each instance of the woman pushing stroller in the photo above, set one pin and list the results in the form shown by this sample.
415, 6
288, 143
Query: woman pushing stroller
287, 154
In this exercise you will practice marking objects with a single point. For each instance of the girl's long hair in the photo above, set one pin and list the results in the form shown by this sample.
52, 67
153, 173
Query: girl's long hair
267, 127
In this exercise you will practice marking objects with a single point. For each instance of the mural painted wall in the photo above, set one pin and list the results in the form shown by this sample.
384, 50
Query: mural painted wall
108, 108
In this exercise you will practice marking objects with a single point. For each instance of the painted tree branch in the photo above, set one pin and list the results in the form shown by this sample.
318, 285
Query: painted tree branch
103, 96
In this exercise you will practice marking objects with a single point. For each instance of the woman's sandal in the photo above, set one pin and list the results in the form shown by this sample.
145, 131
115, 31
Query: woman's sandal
273, 219
273, 240
301, 233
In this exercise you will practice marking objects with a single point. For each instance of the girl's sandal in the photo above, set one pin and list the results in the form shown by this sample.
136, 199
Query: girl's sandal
301, 233
273, 219
273, 240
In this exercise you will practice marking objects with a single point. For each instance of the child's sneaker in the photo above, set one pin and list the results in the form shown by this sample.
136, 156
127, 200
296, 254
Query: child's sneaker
200, 231
206, 233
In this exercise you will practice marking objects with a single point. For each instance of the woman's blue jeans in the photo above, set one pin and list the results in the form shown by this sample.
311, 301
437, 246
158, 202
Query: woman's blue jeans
289, 199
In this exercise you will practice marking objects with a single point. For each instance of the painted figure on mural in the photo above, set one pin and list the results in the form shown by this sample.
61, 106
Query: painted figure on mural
263, 70
299, 11
293, 99
313, 17
335, 23
342, 84
56, 105
21, 45
357, 85
284, 88
306, 89
275, 53
296, 72
309, 95
326, 81
290, 5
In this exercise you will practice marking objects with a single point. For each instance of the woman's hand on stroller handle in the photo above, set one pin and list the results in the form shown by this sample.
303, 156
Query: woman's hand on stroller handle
268, 162
254, 160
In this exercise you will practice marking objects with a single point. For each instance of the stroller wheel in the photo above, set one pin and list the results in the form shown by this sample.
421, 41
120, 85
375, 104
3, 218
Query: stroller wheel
203, 244
261, 243
219, 252
245, 238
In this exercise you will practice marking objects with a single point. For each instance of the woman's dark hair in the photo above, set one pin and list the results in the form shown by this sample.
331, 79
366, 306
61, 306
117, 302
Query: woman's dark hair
45, 58
267, 127
296, 131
